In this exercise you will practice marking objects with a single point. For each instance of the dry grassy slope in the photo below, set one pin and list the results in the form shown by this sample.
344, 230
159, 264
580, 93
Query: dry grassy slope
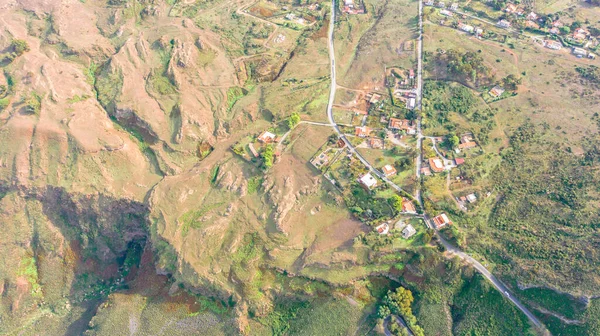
71, 142
79, 169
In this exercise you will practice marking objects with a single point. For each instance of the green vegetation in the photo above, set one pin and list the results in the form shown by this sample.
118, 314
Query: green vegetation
28, 270
565, 305
399, 302
367, 207
293, 120
544, 214
77, 98
16, 49
4, 102
193, 218
254, 184
33, 103
161, 84
109, 83
466, 66
332, 317
233, 95
268, 154
591, 73
480, 309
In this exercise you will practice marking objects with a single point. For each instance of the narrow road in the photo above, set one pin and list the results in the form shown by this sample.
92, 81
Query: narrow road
332, 90
283, 137
449, 247
491, 278
399, 320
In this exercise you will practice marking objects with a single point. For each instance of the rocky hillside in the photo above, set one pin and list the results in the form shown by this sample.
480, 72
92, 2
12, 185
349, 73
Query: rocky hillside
116, 122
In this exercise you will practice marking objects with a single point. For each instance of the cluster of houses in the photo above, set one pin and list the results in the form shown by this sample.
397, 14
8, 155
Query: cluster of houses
352, 8
578, 36
467, 199
407, 230
440, 4
369, 182
438, 165
295, 18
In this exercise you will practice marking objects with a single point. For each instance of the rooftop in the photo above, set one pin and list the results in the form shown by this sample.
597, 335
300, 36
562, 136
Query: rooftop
368, 180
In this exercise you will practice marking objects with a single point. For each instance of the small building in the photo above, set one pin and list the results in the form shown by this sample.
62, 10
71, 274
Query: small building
446, 12
459, 161
375, 98
408, 231
425, 171
496, 91
466, 142
554, 31
320, 160
388, 170
454, 6
510, 8
383, 228
429, 3
554, 45
376, 143
503, 24
267, 137
368, 181
471, 198
532, 16
441, 220
411, 103
466, 28
531, 25
591, 56
579, 51
411, 74
362, 131
478, 31
402, 124
252, 150
341, 143
436, 165
408, 206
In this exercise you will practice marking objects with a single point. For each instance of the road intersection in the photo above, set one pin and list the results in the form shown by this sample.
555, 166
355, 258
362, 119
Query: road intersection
451, 249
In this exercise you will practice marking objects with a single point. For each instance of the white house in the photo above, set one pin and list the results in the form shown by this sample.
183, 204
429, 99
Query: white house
368, 181
503, 24
408, 231
446, 12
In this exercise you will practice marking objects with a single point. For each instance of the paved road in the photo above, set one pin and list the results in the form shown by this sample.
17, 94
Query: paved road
332, 90
419, 101
491, 278
387, 321
449, 247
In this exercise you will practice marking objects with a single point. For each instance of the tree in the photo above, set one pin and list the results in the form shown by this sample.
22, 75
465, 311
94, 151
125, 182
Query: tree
397, 202
383, 312
511, 81
267, 155
453, 141
402, 163
19, 47
564, 30
293, 120
33, 103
